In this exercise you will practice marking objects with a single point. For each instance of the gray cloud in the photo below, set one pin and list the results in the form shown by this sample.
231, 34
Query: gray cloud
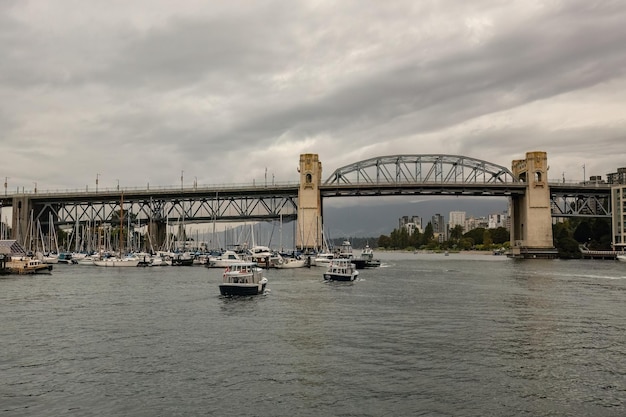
152, 89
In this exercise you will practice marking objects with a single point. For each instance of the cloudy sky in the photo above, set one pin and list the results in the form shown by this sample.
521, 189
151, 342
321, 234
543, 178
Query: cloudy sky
138, 91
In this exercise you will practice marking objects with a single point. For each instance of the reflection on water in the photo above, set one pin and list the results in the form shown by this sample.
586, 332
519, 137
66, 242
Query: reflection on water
423, 334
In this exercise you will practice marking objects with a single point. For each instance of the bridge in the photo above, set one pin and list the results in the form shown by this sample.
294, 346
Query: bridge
534, 200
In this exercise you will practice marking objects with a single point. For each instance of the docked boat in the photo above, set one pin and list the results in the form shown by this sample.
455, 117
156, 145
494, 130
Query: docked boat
244, 278
226, 259
113, 261
182, 259
621, 257
366, 260
345, 250
287, 262
322, 259
27, 265
264, 256
341, 270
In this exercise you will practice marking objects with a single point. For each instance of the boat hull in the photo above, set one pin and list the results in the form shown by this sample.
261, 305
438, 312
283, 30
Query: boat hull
241, 289
117, 264
339, 277
365, 263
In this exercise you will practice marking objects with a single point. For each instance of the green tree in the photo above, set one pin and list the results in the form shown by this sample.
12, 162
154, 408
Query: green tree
428, 235
456, 233
583, 233
500, 235
476, 235
384, 241
487, 237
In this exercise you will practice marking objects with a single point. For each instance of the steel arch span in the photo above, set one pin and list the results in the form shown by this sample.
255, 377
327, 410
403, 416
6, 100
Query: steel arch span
440, 169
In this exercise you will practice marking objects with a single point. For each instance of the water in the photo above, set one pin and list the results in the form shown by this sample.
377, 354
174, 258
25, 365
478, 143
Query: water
434, 335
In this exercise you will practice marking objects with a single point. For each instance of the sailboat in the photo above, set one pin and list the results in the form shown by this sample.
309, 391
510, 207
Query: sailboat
119, 261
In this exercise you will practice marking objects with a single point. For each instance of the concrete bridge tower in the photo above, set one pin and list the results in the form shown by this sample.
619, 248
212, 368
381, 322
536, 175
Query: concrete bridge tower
309, 230
531, 219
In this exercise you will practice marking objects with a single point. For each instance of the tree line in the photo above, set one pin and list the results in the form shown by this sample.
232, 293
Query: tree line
569, 236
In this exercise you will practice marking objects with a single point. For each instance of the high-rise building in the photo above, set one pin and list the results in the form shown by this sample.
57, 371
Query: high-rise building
411, 223
457, 218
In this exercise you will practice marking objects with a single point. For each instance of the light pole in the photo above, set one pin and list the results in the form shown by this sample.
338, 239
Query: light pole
181, 179
584, 175
118, 185
195, 183
6, 184
97, 176
35, 186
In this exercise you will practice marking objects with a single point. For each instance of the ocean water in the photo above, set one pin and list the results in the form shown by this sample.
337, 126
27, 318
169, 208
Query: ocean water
424, 334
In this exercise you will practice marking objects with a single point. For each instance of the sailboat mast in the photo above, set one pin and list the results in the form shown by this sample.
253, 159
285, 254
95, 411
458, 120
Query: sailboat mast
121, 222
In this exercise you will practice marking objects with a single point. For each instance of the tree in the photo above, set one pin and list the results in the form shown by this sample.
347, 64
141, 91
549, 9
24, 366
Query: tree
456, 232
384, 241
428, 234
487, 237
500, 235
583, 233
476, 235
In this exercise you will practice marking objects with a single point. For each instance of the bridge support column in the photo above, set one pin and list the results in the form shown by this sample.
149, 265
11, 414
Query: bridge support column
531, 219
309, 230
22, 208
157, 231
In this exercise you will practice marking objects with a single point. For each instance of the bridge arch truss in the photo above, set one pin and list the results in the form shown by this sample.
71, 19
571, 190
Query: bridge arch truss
439, 169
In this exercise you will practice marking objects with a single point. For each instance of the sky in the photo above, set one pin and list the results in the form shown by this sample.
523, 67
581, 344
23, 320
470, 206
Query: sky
148, 91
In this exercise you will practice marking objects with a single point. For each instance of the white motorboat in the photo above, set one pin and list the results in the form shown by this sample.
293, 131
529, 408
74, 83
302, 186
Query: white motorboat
127, 261
322, 259
244, 278
621, 257
341, 270
289, 262
226, 259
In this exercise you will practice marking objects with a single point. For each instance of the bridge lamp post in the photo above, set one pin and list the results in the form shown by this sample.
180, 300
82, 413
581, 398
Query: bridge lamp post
181, 179
6, 184
195, 183
35, 186
97, 177
118, 185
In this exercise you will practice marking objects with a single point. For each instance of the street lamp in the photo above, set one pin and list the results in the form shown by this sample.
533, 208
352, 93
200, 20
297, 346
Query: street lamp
181, 179
118, 185
6, 183
195, 182
97, 176
35, 186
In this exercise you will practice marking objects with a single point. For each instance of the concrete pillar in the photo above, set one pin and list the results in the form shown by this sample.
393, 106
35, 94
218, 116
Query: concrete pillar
157, 231
22, 207
531, 219
309, 230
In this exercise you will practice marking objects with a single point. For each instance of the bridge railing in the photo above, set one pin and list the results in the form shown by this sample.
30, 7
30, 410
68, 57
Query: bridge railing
162, 188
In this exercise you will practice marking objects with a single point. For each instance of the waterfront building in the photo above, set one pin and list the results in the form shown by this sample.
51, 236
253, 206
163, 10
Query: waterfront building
411, 223
457, 218
499, 220
439, 227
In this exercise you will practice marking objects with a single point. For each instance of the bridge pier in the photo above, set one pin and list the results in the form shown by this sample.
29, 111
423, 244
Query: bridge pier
157, 234
531, 219
22, 208
309, 230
